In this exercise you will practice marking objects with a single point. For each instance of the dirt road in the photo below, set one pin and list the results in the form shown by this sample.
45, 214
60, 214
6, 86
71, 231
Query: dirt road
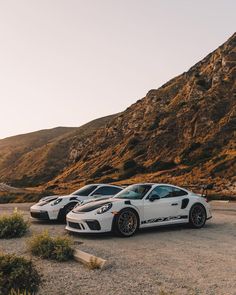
178, 260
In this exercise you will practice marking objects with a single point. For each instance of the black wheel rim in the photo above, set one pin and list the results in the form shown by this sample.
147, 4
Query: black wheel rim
127, 223
198, 215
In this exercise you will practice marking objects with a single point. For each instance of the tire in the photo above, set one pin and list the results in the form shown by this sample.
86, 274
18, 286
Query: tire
64, 211
126, 223
197, 216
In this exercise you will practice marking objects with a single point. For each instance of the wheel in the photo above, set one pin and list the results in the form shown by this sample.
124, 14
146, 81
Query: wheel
126, 223
197, 216
64, 211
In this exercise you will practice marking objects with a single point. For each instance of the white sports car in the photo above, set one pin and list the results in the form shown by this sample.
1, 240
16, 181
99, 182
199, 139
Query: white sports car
56, 207
140, 206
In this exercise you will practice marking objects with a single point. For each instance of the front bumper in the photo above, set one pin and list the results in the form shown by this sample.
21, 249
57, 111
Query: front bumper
43, 212
89, 223
209, 212
42, 215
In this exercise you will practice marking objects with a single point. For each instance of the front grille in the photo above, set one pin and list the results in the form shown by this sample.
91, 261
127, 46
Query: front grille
93, 224
40, 215
74, 225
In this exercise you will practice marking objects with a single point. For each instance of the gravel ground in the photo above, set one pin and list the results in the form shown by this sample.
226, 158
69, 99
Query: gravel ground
178, 260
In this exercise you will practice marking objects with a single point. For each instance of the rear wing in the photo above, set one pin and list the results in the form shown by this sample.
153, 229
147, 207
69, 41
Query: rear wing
203, 188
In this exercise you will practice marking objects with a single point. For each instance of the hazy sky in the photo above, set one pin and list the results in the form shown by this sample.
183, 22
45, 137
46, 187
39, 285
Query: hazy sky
65, 62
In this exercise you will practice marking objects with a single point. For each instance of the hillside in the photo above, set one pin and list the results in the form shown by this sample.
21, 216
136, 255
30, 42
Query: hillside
183, 132
35, 158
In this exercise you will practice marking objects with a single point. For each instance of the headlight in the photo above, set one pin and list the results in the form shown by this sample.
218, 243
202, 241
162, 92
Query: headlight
104, 208
57, 201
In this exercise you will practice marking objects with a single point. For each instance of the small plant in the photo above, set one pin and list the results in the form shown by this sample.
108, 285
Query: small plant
129, 164
18, 276
18, 292
58, 248
130, 168
94, 263
134, 141
13, 226
162, 165
106, 169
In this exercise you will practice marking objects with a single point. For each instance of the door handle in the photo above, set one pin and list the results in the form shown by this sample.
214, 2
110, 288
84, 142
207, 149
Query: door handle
174, 204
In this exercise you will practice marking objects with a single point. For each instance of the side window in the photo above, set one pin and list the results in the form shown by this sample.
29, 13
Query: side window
165, 191
162, 191
106, 191
178, 192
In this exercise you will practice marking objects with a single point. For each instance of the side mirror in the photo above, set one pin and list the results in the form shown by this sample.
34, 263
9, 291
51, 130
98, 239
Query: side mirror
154, 197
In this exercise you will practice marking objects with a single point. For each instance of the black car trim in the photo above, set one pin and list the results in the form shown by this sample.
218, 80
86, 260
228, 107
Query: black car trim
162, 219
185, 203
90, 207
43, 215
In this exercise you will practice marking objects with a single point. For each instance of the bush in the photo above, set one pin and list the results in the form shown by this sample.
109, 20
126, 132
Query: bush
155, 124
162, 165
23, 197
13, 226
133, 142
129, 164
194, 146
130, 168
18, 292
44, 246
106, 169
17, 275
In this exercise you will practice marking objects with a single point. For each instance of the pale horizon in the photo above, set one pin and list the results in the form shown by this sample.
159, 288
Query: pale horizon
65, 63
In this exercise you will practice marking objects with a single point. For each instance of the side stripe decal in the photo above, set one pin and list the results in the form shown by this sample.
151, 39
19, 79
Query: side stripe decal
161, 219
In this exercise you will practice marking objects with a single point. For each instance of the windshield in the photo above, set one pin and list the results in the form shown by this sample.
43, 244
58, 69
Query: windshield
134, 192
85, 191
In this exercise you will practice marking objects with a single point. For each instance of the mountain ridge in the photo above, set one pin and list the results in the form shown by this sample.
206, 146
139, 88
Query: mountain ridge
195, 111
183, 132
34, 158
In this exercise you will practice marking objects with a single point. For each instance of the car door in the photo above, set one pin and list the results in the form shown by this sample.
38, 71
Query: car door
164, 210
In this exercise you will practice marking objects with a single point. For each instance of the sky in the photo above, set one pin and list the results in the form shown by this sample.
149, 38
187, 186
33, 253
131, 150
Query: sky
66, 62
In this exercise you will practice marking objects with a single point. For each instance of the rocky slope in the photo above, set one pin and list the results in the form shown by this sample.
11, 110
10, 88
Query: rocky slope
183, 132
35, 158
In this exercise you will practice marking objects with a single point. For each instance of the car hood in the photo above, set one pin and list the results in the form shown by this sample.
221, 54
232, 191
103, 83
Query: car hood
94, 204
49, 199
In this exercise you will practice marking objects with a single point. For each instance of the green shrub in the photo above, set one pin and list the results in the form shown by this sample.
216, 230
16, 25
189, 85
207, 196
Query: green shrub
162, 165
130, 168
18, 292
133, 142
129, 164
194, 146
23, 197
154, 124
17, 275
106, 169
140, 152
58, 248
13, 226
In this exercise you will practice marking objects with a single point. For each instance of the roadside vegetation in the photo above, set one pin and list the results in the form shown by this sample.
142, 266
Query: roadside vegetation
13, 226
59, 248
18, 275
23, 197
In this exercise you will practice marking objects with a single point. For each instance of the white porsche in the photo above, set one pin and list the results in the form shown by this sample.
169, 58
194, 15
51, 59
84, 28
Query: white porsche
140, 206
56, 207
